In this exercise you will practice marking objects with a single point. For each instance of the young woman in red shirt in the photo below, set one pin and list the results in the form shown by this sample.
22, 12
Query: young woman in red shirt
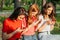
12, 26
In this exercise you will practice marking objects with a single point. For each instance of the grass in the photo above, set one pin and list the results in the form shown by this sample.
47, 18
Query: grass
56, 31
58, 17
2, 19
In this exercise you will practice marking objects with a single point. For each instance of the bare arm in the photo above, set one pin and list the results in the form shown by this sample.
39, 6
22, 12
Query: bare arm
31, 25
42, 26
52, 25
7, 36
47, 23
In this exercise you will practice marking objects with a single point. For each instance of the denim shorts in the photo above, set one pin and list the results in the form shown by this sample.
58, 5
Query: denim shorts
41, 35
32, 37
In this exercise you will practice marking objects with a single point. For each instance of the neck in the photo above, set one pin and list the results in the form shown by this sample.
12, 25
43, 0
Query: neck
46, 16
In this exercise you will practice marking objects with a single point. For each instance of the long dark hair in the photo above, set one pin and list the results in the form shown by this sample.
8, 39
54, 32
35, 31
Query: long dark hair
46, 6
18, 11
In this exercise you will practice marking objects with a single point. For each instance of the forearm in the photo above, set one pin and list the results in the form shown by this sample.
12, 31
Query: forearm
31, 25
7, 36
11, 34
34, 23
42, 27
4, 36
51, 27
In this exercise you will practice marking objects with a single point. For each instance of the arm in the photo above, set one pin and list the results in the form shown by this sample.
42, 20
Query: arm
52, 25
31, 25
5, 30
42, 27
53, 21
7, 36
39, 25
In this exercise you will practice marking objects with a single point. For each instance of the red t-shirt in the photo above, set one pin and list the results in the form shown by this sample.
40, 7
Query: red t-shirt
10, 26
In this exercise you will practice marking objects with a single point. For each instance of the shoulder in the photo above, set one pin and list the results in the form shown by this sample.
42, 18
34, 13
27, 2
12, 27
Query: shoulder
40, 16
7, 20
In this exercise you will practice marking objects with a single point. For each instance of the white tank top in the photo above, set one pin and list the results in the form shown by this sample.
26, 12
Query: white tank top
47, 28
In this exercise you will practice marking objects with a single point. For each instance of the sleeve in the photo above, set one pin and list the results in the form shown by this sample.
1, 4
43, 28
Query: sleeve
5, 26
40, 17
40, 24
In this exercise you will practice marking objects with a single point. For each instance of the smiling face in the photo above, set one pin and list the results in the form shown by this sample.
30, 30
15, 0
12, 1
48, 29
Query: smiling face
49, 11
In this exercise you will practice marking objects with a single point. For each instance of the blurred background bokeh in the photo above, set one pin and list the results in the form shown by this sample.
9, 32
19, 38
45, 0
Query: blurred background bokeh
7, 7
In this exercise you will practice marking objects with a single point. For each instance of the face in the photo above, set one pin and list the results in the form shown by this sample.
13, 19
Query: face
49, 10
34, 13
20, 17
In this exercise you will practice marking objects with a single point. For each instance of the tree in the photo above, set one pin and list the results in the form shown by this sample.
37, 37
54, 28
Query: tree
44, 2
1, 5
8, 3
17, 3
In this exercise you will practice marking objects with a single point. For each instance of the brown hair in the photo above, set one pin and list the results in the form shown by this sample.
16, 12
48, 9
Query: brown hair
46, 6
18, 11
33, 7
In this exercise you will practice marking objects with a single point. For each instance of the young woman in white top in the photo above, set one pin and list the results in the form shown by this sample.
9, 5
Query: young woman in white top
47, 20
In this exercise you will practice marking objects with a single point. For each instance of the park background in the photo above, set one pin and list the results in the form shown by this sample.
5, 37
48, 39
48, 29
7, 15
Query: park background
8, 6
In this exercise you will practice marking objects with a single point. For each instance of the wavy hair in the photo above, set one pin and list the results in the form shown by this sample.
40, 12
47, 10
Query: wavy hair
18, 11
45, 7
33, 7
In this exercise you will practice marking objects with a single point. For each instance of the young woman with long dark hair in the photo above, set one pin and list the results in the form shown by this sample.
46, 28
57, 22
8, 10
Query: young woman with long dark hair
47, 20
12, 26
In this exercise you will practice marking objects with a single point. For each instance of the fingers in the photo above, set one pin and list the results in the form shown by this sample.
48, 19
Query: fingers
19, 30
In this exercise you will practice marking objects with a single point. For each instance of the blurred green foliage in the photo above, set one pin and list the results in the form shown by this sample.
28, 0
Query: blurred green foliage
2, 19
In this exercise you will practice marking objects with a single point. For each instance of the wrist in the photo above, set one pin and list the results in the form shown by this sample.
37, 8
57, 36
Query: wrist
51, 24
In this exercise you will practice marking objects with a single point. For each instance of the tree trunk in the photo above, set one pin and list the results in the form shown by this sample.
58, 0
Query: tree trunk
1, 5
33, 1
44, 2
17, 3
36, 1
